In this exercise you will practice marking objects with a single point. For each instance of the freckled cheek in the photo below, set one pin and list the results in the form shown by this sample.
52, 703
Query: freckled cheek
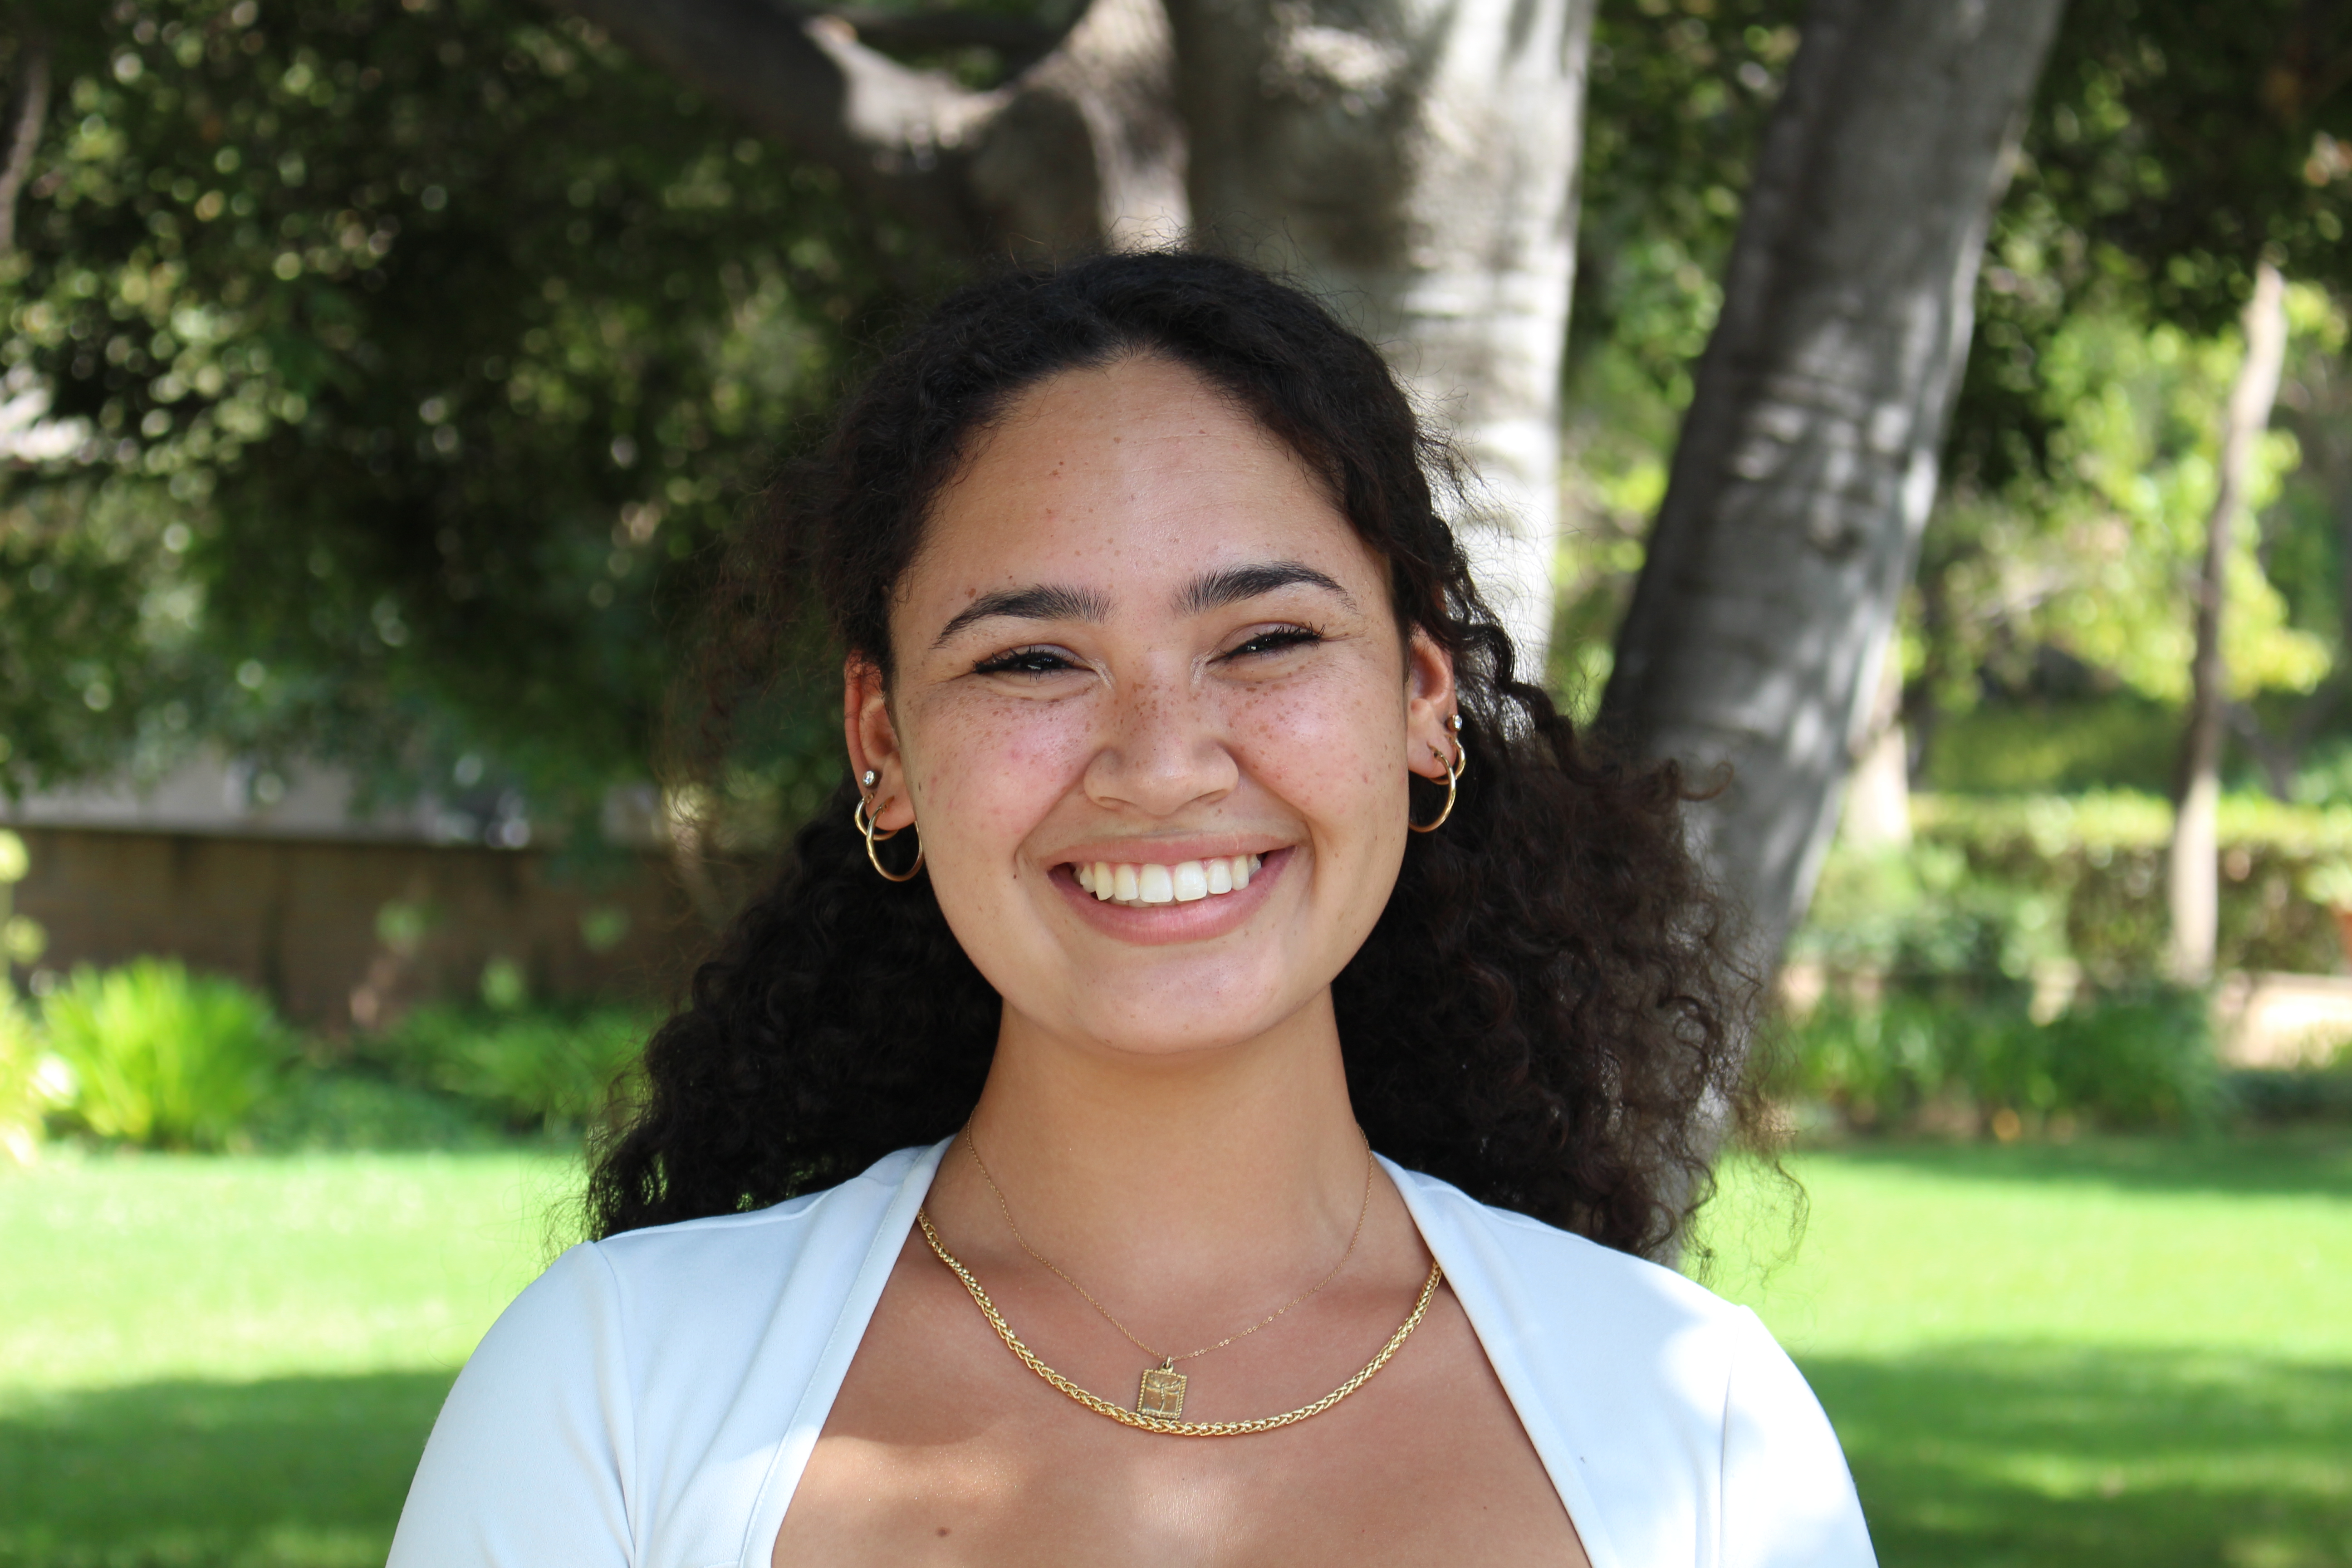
1325, 746
996, 774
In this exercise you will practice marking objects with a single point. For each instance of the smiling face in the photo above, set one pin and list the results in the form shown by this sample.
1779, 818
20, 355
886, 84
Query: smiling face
1153, 716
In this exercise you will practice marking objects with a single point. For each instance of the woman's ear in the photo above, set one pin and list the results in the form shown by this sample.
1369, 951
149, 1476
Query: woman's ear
1431, 702
872, 741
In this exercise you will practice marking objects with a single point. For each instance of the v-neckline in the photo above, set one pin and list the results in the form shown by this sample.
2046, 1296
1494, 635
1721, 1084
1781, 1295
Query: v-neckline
1471, 1281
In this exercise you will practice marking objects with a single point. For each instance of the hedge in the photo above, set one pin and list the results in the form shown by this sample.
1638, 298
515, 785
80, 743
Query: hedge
2097, 861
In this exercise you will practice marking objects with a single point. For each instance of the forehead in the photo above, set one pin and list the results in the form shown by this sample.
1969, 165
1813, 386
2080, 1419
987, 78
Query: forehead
1128, 479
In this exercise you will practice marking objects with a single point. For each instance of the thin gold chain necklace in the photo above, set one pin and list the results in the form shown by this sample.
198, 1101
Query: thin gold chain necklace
1174, 1389
1147, 1419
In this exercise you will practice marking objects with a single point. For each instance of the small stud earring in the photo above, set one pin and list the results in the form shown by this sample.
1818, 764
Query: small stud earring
869, 778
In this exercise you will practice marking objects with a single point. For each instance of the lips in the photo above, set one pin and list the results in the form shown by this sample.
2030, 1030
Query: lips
1144, 884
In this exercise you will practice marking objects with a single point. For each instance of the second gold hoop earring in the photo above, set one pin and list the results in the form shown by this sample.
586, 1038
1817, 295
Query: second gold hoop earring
1453, 772
865, 824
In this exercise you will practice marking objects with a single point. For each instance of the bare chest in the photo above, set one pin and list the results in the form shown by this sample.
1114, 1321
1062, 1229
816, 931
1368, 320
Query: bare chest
943, 1448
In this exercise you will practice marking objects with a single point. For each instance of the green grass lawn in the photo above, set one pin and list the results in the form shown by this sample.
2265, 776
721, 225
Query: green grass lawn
235, 1361
2115, 1352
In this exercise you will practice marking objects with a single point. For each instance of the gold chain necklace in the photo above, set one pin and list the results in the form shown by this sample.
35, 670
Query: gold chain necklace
1163, 1388
1148, 1420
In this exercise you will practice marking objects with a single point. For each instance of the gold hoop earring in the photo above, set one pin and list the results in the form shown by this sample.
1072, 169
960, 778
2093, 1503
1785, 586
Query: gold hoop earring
1453, 772
865, 824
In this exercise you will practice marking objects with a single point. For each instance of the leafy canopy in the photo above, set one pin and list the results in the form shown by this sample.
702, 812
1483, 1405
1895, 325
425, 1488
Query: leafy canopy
381, 372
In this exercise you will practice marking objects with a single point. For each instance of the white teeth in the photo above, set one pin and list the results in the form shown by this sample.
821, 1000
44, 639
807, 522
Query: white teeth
1185, 882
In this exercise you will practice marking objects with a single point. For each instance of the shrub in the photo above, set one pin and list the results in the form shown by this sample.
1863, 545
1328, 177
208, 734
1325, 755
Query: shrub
20, 1097
2099, 859
2270, 1095
1923, 911
539, 1065
163, 1058
2134, 1059
355, 1109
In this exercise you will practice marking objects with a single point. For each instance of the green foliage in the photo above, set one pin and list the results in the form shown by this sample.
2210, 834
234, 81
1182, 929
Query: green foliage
163, 1058
1926, 1051
1679, 94
2056, 747
396, 362
1999, 964
340, 1110
2087, 558
2278, 1095
2099, 858
1919, 912
535, 1067
21, 1101
2169, 147
22, 938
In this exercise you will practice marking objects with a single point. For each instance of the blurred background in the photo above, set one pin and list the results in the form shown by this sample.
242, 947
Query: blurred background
1937, 412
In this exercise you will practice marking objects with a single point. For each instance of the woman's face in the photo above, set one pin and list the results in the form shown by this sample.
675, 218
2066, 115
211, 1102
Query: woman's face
1139, 645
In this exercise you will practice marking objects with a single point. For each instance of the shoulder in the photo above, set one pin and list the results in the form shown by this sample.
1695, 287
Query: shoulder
600, 1418
1676, 1428
707, 1266
1550, 1270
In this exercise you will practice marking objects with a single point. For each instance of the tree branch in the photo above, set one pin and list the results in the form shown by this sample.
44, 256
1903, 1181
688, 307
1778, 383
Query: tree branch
23, 132
1022, 42
1082, 149
894, 133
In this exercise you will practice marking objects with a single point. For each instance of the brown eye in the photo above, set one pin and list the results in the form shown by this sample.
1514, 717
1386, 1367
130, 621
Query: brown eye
1024, 661
1276, 640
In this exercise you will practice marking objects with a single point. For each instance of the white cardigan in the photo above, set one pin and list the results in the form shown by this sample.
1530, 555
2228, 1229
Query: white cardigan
652, 1399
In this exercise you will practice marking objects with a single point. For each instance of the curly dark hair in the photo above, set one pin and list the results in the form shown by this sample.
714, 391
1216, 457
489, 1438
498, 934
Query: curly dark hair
1548, 1012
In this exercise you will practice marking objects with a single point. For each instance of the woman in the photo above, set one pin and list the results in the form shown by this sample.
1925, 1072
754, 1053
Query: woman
1018, 1185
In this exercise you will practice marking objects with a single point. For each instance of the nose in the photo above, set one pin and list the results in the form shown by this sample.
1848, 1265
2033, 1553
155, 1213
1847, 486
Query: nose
1163, 747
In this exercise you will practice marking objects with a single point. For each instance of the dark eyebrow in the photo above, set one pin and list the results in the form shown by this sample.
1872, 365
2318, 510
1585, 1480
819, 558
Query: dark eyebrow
1234, 584
1037, 602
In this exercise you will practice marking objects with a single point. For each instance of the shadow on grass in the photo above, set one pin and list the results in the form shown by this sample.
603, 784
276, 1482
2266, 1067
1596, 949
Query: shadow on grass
2295, 1163
2024, 1456
295, 1472
2030, 1455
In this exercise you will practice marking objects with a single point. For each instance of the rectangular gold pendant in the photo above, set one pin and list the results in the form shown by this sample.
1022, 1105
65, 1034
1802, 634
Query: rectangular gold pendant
1162, 1394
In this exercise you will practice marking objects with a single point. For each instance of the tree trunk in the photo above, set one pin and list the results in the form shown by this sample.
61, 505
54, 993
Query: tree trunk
1416, 162
1808, 461
2191, 880
1878, 800
30, 110
1080, 150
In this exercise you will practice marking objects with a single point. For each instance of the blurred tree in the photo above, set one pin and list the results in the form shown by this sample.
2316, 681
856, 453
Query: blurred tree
2087, 375
2192, 876
2172, 146
1412, 159
1808, 463
1680, 92
377, 374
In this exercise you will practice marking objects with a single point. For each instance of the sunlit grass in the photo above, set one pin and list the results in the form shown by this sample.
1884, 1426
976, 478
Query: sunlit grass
2122, 1351
125, 1270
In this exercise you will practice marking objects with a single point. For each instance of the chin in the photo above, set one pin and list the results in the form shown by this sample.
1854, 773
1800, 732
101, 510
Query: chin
1156, 1025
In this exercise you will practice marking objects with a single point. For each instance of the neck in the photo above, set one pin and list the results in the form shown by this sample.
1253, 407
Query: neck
1190, 1167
